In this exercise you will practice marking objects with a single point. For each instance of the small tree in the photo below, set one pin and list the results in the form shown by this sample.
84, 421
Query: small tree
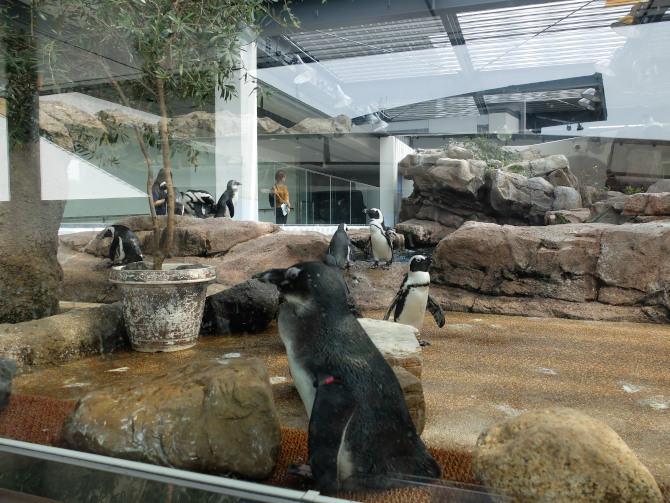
181, 51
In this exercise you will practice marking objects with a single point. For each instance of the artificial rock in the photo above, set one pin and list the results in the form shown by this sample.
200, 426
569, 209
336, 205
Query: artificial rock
561, 455
213, 416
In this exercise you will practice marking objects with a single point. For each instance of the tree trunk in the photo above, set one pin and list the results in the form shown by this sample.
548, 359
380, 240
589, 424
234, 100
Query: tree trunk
30, 274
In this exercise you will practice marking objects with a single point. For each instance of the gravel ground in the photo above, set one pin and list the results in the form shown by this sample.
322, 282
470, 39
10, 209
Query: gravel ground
478, 370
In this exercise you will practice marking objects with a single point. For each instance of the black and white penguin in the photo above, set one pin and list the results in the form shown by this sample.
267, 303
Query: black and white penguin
178, 203
228, 200
198, 203
381, 240
360, 432
341, 248
412, 299
125, 244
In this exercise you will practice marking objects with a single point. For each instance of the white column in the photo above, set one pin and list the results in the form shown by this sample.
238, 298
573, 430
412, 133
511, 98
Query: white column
236, 145
4, 160
391, 152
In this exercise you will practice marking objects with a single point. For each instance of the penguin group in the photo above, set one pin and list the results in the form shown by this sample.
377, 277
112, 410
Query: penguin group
360, 434
201, 204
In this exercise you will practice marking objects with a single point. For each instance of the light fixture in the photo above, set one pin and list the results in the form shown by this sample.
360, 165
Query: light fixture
306, 74
568, 127
591, 94
580, 127
588, 104
380, 125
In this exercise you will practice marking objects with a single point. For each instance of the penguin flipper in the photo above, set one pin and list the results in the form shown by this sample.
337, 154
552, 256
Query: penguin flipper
394, 302
437, 312
113, 248
331, 412
231, 207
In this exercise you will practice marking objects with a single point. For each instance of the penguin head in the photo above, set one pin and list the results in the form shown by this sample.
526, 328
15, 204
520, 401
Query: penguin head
233, 184
420, 263
342, 227
374, 214
109, 232
307, 283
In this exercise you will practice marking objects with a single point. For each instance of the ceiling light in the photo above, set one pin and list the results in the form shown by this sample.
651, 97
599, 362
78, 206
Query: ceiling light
580, 127
588, 104
504, 133
306, 74
568, 127
380, 125
591, 94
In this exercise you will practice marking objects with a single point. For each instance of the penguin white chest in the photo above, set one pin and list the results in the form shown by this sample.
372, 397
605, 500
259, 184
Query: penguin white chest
380, 247
414, 309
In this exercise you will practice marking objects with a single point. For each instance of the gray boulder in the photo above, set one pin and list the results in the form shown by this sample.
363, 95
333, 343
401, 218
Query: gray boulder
561, 455
517, 196
214, 416
7, 371
566, 198
244, 308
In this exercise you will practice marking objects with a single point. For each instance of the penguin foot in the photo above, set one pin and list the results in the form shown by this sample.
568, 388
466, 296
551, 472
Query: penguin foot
423, 343
375, 265
299, 470
387, 266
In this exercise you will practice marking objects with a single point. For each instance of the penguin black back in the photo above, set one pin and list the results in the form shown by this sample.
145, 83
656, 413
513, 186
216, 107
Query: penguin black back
125, 244
360, 430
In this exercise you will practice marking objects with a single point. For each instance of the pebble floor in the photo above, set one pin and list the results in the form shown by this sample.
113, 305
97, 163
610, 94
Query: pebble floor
478, 370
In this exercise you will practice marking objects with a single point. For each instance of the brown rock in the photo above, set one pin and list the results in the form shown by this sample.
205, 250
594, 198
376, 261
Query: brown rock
412, 390
339, 124
561, 455
64, 337
214, 416
655, 204
419, 233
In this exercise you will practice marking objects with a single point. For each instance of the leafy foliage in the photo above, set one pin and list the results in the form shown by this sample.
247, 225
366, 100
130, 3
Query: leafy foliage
487, 148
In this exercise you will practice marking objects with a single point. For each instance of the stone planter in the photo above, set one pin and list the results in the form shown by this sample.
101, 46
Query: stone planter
162, 310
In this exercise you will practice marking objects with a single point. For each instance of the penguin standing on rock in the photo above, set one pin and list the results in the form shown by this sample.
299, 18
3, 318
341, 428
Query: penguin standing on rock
228, 200
360, 435
381, 240
412, 299
125, 244
341, 248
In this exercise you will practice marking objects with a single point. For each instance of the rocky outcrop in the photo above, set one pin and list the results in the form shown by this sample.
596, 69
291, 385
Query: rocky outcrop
561, 455
215, 416
64, 337
582, 271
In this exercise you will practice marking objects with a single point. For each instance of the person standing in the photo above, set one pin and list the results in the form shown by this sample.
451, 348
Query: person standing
282, 203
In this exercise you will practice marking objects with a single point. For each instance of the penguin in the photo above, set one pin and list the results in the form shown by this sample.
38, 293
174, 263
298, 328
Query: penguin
381, 240
228, 200
178, 202
412, 298
198, 203
341, 248
125, 244
360, 433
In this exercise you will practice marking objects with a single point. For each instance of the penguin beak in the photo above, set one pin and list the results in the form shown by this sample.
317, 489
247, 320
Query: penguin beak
274, 276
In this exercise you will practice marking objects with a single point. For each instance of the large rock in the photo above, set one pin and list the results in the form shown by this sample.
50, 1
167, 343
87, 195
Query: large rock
246, 308
568, 268
422, 233
339, 124
214, 416
64, 337
561, 455
527, 199
652, 204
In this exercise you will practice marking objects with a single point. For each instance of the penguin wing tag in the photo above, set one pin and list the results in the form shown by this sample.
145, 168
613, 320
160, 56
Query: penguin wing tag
436, 310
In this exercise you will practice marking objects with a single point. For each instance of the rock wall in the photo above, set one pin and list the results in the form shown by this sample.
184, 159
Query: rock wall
580, 271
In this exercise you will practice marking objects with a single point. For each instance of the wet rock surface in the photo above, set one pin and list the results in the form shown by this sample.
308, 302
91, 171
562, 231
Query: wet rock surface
561, 455
213, 416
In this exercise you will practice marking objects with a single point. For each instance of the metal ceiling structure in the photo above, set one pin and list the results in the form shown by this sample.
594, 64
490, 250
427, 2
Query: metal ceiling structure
360, 44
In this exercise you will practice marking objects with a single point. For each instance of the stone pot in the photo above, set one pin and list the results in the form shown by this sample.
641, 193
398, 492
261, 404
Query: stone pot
162, 310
